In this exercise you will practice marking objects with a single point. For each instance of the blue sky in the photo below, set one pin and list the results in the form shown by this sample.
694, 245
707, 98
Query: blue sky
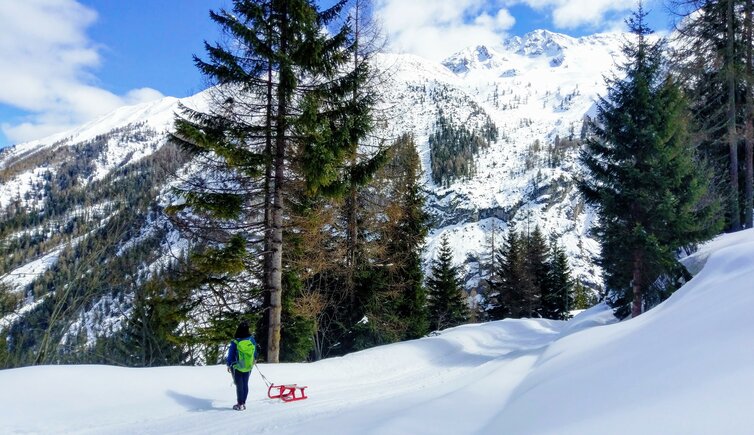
69, 61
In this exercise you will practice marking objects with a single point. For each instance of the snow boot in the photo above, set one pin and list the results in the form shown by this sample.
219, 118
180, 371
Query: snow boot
239, 407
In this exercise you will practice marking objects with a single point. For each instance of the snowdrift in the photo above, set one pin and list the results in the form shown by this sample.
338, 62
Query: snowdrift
685, 367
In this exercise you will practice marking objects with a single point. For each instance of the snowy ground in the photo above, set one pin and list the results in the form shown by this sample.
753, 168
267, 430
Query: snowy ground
685, 367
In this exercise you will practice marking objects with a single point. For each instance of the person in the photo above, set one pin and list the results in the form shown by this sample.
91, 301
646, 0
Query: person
242, 352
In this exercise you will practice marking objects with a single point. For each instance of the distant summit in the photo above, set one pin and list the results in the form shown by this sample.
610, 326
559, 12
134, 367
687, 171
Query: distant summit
479, 57
538, 43
515, 54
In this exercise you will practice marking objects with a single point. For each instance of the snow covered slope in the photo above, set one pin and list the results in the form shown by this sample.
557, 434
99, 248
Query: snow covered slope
685, 367
535, 89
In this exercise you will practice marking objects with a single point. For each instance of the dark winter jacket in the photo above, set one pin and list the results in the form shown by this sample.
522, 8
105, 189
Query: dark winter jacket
233, 355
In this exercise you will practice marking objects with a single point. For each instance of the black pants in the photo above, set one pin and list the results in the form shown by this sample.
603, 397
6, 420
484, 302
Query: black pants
241, 380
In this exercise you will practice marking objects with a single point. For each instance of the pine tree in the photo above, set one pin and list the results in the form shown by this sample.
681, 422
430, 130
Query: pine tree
711, 60
643, 177
283, 117
557, 299
150, 335
386, 300
447, 305
488, 259
510, 281
537, 268
581, 297
405, 240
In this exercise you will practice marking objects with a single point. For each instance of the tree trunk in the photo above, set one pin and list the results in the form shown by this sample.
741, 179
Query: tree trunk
351, 242
638, 291
276, 260
351, 215
276, 240
749, 167
735, 213
268, 195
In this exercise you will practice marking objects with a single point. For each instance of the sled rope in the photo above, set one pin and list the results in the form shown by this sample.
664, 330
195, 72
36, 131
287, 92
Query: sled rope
263, 377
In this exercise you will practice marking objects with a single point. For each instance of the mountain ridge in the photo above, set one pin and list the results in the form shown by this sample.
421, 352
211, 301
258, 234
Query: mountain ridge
524, 177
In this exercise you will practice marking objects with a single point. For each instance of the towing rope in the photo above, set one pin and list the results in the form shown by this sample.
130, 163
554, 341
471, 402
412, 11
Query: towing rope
263, 377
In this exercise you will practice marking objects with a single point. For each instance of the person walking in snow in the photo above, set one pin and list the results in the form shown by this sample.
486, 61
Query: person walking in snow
241, 355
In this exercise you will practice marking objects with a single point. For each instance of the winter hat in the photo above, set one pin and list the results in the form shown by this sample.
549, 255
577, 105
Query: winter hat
242, 331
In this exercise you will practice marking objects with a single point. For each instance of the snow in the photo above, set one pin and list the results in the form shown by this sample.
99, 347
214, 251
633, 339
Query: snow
517, 84
534, 88
158, 113
687, 366
11, 318
19, 278
21, 185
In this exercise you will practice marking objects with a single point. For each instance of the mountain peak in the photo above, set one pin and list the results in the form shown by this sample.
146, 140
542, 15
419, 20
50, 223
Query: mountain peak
539, 42
479, 57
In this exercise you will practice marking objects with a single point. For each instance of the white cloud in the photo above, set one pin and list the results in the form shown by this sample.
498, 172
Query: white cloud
502, 21
569, 14
47, 68
436, 29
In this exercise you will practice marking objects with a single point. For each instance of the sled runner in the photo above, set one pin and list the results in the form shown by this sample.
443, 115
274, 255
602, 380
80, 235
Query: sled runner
287, 393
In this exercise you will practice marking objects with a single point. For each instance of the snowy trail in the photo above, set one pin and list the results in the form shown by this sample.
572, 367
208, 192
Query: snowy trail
685, 367
395, 383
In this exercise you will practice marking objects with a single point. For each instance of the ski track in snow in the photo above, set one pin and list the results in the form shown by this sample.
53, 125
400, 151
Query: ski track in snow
402, 380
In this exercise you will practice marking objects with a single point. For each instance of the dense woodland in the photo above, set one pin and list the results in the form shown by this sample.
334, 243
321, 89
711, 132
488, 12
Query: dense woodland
453, 148
306, 222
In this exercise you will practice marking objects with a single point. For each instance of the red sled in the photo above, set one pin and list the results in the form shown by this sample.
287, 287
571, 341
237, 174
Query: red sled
287, 393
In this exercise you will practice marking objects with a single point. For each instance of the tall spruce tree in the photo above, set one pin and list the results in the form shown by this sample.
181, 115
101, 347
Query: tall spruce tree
405, 240
642, 174
283, 116
447, 305
537, 266
557, 298
510, 279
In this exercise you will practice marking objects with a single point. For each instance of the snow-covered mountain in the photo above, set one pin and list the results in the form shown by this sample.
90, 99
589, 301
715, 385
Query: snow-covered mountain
684, 367
535, 89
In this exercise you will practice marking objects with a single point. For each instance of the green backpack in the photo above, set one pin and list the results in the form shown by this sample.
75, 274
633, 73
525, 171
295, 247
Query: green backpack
245, 360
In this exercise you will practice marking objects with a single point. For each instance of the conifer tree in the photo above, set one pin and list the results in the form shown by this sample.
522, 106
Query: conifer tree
447, 305
537, 268
405, 240
510, 279
712, 59
581, 297
642, 175
557, 299
151, 329
282, 117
